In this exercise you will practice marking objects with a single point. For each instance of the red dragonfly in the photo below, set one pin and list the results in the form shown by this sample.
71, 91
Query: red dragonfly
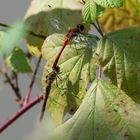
69, 36
56, 69
50, 78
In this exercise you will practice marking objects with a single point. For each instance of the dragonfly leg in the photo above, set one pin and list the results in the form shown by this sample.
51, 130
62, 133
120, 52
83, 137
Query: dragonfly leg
57, 82
75, 48
59, 76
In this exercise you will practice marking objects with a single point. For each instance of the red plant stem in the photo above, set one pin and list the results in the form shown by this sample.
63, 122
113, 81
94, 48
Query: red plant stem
27, 97
20, 112
60, 52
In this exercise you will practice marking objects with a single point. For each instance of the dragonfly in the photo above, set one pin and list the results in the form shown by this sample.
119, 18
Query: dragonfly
72, 33
50, 78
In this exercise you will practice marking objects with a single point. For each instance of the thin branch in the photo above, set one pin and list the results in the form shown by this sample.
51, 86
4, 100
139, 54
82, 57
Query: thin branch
27, 97
98, 29
37, 35
20, 112
15, 89
30, 32
4, 25
16, 82
16, 79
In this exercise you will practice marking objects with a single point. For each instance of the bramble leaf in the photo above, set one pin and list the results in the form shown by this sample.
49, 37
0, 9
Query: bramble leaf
105, 113
99, 10
119, 56
18, 61
77, 70
46, 17
89, 11
110, 3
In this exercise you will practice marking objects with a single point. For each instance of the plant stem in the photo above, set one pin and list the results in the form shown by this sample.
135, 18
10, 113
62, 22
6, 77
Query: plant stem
16, 79
20, 112
30, 32
16, 82
98, 29
15, 89
27, 97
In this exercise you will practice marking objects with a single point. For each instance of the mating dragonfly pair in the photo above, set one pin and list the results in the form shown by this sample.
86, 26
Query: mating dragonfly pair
50, 78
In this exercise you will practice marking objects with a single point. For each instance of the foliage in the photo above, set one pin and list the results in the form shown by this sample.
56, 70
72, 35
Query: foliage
118, 55
110, 3
18, 61
99, 78
76, 72
89, 11
104, 113
10, 38
47, 17
118, 18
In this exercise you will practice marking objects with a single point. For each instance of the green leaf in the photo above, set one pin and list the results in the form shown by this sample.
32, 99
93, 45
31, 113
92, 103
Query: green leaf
99, 10
11, 38
105, 113
77, 70
18, 61
110, 3
89, 11
119, 56
46, 17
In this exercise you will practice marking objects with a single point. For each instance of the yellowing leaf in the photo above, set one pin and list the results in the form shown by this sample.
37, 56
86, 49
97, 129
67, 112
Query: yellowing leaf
105, 113
118, 18
46, 17
77, 70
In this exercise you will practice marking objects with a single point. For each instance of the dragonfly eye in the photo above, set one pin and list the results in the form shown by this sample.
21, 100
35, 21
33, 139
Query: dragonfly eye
80, 27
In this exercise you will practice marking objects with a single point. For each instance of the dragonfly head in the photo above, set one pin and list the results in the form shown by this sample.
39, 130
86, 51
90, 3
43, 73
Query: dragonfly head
80, 27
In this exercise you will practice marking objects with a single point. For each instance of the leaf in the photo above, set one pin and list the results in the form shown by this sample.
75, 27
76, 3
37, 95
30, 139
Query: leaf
105, 113
76, 72
89, 11
11, 38
19, 62
119, 56
110, 3
119, 18
46, 17
99, 10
